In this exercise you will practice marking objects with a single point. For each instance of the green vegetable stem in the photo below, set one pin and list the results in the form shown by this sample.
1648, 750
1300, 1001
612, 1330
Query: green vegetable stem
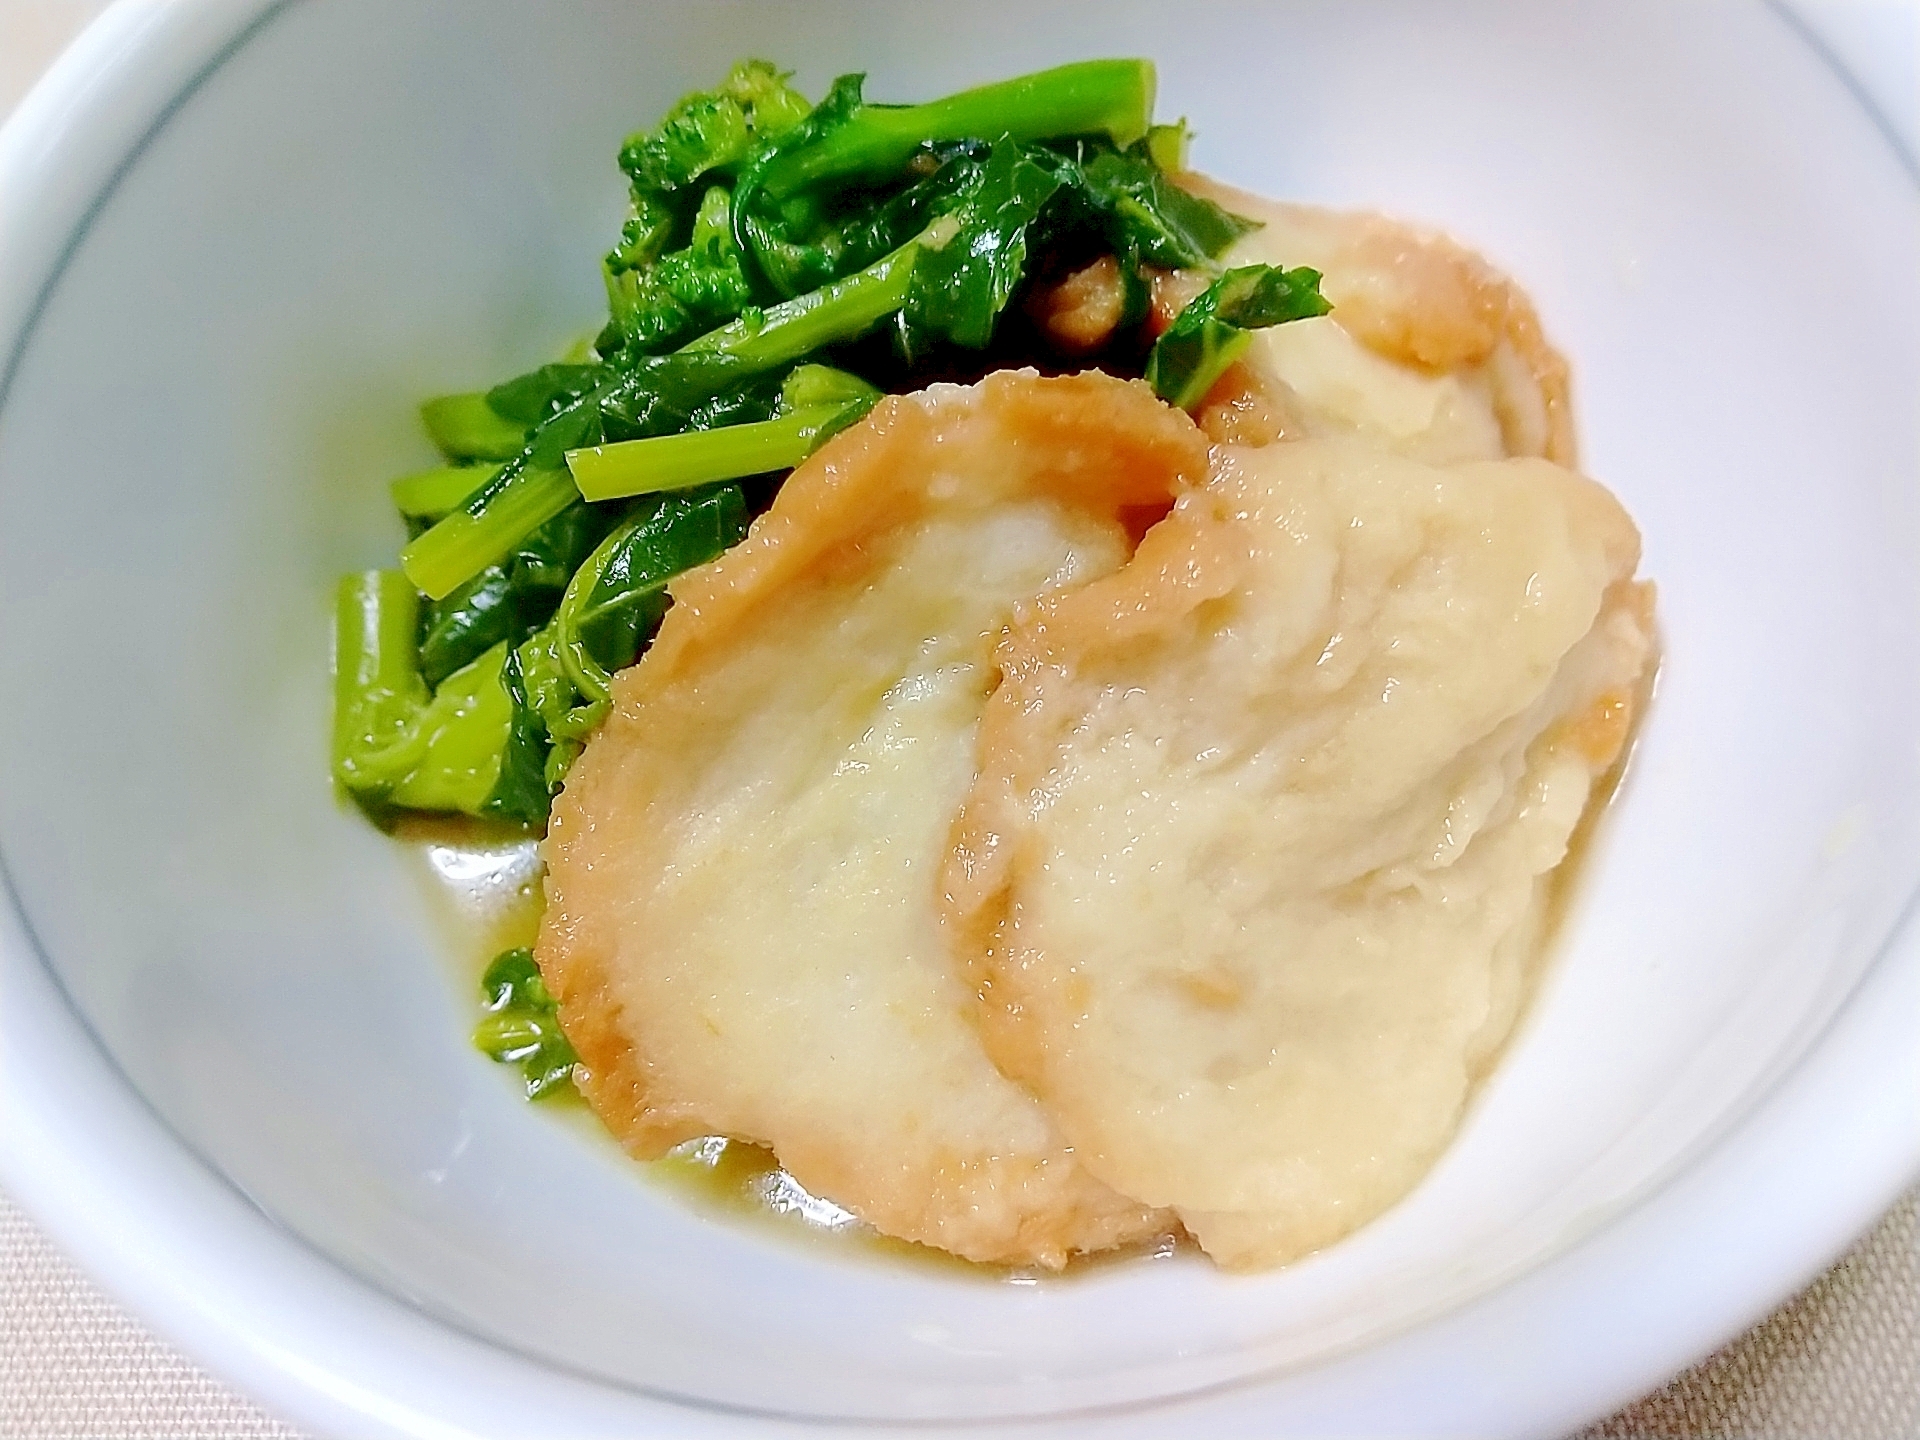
487, 525
466, 427
430, 494
394, 743
699, 457
532, 488
1113, 98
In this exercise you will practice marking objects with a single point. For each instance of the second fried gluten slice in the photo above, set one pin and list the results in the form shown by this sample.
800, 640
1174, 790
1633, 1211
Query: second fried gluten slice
1265, 826
742, 926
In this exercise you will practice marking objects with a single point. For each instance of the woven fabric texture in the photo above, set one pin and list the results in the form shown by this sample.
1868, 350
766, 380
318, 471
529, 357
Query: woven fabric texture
74, 1367
1841, 1362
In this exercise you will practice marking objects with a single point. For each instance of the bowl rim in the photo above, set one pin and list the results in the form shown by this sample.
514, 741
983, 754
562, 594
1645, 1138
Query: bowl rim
188, 1253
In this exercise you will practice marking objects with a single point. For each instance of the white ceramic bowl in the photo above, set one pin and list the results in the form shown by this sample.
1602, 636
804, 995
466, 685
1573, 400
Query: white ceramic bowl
238, 240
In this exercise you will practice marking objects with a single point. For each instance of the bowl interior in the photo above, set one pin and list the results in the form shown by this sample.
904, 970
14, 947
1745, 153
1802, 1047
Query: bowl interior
367, 203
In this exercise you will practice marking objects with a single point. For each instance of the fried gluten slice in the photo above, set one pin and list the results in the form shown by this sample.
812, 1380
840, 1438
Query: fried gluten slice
1266, 823
742, 925
1429, 350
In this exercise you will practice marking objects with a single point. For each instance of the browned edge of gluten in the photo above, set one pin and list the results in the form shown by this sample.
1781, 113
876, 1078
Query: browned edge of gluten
1426, 300
827, 517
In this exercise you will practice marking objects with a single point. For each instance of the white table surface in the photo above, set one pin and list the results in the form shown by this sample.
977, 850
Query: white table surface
1839, 1362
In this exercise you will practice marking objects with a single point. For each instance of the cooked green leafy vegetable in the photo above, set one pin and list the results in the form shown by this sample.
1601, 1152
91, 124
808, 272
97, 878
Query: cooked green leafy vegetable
871, 143
615, 603
512, 598
395, 742
466, 427
960, 288
1216, 326
429, 494
521, 1025
782, 266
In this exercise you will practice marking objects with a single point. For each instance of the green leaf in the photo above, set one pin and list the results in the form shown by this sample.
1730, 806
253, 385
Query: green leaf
466, 427
522, 794
1256, 296
450, 758
555, 700
512, 598
531, 398
1153, 220
756, 398
1215, 327
1184, 366
870, 232
794, 246
521, 1025
961, 286
559, 676
393, 743
619, 596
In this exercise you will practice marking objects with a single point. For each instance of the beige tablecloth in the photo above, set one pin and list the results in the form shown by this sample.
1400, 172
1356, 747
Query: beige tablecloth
1842, 1362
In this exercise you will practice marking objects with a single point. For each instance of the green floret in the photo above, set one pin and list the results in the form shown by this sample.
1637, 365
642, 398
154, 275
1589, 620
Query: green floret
712, 130
706, 277
682, 293
647, 233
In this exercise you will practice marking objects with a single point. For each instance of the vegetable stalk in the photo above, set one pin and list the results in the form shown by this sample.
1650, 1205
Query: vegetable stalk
495, 518
393, 743
843, 310
430, 494
524, 495
699, 457
466, 427
1093, 97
